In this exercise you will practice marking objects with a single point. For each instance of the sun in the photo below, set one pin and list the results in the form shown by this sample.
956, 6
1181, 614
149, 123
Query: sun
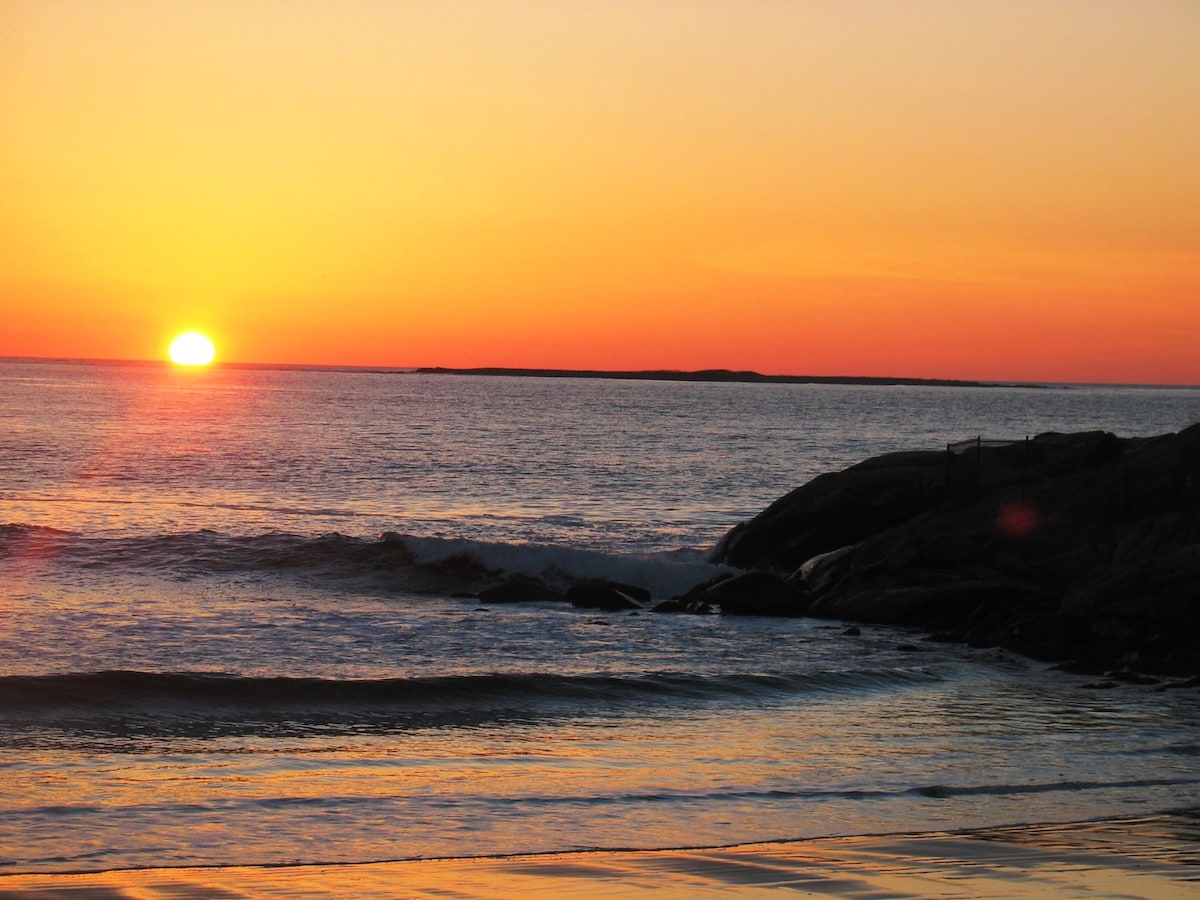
191, 349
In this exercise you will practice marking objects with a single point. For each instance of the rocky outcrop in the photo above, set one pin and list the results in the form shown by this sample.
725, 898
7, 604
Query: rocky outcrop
1080, 547
836, 510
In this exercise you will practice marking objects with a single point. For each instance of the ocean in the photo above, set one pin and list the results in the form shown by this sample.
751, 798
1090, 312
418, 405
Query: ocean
238, 625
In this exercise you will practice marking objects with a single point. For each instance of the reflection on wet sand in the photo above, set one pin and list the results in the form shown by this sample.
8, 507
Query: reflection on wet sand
1152, 857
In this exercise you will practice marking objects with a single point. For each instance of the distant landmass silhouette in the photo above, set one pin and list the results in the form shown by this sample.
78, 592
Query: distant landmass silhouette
719, 375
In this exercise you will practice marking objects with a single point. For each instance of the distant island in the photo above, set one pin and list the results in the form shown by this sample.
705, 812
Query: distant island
718, 375
700, 375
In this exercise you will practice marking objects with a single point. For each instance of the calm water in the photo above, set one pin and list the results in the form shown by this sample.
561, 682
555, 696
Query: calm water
234, 625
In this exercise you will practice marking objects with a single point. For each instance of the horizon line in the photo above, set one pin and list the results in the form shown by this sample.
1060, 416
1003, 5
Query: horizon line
703, 375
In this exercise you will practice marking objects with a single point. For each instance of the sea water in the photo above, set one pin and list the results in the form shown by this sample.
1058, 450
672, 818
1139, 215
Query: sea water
237, 624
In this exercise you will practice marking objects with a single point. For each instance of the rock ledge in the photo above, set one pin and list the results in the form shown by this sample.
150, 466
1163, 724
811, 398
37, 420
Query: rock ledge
1079, 548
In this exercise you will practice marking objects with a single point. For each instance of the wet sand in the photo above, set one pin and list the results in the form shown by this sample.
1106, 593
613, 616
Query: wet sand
1153, 857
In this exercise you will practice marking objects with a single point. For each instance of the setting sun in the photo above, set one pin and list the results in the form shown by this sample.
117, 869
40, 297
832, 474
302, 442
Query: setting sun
191, 349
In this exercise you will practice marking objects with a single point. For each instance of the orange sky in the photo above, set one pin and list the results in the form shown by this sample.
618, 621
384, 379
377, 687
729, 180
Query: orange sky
944, 189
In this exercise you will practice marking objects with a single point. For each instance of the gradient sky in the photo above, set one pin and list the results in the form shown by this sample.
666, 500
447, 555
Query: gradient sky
1004, 190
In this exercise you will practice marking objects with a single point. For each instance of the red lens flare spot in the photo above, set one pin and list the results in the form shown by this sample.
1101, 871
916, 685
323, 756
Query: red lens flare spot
1017, 519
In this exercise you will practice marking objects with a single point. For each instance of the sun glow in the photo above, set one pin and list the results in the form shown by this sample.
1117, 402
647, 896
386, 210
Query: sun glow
882, 189
191, 349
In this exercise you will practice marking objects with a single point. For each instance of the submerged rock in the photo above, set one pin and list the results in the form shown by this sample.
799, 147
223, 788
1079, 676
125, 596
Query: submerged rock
750, 594
607, 595
520, 589
1080, 547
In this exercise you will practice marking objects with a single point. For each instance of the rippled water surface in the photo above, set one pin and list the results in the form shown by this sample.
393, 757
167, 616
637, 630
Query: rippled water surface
235, 625
146, 450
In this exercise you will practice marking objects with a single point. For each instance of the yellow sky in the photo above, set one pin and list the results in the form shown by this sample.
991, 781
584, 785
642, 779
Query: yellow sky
956, 189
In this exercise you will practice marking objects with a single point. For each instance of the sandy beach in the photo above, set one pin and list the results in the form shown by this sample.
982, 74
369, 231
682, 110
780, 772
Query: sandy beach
1155, 857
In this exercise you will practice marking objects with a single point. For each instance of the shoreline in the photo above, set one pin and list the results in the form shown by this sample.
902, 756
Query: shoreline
1151, 856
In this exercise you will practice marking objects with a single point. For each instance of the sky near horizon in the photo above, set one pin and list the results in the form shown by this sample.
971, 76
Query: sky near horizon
1000, 191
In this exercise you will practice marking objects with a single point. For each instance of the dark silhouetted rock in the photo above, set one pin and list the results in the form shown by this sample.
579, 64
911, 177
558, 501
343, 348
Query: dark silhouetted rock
750, 594
835, 510
520, 589
1079, 547
607, 595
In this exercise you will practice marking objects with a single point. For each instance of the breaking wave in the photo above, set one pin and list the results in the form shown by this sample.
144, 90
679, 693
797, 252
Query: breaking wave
390, 561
